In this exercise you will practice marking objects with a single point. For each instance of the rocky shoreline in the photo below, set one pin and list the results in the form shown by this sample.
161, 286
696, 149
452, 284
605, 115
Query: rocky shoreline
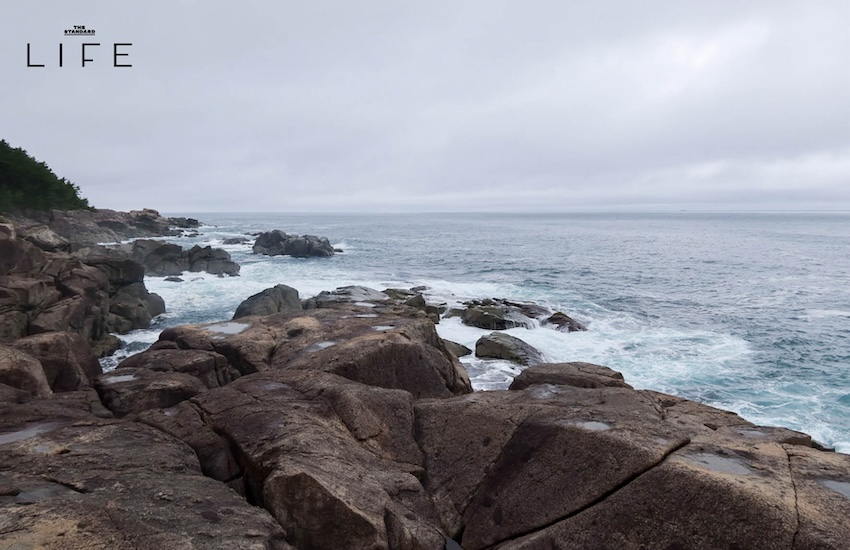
345, 421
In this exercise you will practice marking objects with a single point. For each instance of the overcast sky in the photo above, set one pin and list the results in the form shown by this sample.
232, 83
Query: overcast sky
358, 106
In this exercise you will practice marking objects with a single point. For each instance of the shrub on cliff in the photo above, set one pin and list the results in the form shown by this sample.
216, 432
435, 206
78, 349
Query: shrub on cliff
26, 183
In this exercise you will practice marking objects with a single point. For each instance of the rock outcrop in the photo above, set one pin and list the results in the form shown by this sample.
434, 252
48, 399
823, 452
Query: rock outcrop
66, 358
278, 243
103, 225
350, 425
92, 294
163, 259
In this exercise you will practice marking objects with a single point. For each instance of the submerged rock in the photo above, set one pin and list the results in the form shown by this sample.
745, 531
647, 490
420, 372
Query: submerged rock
564, 322
501, 314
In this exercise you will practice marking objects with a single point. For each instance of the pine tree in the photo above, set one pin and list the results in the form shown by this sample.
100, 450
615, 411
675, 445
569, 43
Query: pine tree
26, 183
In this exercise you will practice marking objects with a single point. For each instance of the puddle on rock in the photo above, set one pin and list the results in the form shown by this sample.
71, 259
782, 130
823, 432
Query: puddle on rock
839, 486
382, 327
229, 327
118, 378
592, 425
28, 432
366, 315
319, 346
722, 464
37, 494
365, 304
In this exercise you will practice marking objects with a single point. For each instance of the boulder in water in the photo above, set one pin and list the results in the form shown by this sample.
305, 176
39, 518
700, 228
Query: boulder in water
278, 243
498, 345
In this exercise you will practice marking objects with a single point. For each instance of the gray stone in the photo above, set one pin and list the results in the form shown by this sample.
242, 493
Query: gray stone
498, 345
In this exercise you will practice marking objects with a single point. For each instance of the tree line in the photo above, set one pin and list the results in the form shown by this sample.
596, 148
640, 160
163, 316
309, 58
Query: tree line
26, 183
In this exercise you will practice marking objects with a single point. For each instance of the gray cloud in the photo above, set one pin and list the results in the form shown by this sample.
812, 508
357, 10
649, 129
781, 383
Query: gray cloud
390, 106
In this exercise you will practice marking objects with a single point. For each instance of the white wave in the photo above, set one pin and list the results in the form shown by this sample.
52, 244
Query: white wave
820, 313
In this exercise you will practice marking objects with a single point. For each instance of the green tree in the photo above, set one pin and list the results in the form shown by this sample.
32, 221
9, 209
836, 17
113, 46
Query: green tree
26, 183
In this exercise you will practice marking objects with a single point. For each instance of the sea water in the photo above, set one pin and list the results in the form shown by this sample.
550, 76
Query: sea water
749, 312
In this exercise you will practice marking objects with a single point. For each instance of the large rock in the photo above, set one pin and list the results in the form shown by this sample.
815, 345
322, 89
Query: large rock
133, 307
209, 367
67, 359
160, 259
458, 350
18, 257
130, 390
163, 259
499, 314
278, 243
120, 271
211, 260
580, 375
556, 466
46, 239
498, 345
23, 371
279, 298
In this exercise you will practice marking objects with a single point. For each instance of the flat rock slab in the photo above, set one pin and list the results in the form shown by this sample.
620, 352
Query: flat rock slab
86, 483
580, 375
536, 455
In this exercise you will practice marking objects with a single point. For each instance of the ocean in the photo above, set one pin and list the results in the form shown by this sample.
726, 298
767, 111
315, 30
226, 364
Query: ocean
748, 312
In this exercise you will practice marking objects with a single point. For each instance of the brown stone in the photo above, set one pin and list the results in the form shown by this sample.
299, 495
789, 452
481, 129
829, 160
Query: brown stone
580, 375
67, 359
498, 345
133, 390
21, 370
